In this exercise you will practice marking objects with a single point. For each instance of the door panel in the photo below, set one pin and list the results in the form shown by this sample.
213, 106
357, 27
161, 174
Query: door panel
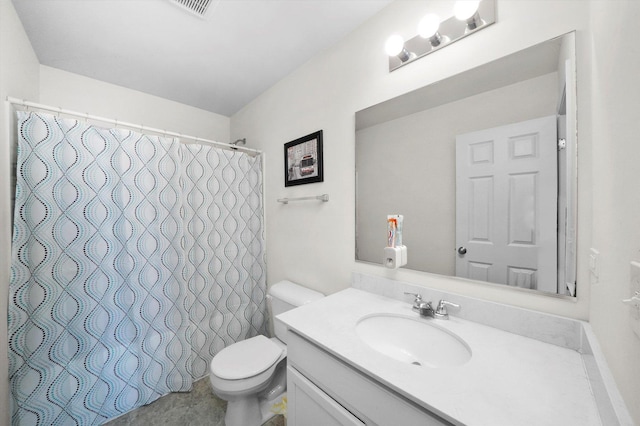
481, 209
522, 209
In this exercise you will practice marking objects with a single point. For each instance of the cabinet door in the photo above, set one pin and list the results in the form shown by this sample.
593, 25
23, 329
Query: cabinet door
309, 406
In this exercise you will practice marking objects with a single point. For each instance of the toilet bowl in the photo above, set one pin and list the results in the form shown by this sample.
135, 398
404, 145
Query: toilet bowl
251, 374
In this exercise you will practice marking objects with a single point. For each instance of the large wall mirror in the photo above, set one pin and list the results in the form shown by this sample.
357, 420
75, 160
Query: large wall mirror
482, 166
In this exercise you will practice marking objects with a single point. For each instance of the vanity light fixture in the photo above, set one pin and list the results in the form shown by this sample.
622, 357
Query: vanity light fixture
467, 10
468, 17
395, 47
428, 28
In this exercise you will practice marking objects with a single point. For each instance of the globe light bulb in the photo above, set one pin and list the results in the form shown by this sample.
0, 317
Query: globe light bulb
394, 45
429, 25
465, 9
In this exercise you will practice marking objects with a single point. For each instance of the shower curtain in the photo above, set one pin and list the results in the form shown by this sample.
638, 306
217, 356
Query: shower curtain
135, 259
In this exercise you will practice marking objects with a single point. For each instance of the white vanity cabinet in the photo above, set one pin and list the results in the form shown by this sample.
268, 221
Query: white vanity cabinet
308, 405
322, 390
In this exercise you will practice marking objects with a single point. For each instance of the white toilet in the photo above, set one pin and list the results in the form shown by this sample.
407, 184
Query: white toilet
251, 375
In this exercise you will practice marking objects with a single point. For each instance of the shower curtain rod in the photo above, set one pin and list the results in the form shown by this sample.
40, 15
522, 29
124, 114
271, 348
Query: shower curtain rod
86, 116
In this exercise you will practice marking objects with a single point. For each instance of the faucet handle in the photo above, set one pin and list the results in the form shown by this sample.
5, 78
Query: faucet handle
418, 297
418, 303
420, 306
441, 310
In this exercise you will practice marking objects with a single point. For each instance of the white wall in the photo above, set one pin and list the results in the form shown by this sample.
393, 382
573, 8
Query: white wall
18, 78
314, 243
616, 186
78, 93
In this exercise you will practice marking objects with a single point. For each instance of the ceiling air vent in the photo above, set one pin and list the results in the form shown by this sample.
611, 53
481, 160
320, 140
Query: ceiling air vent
197, 7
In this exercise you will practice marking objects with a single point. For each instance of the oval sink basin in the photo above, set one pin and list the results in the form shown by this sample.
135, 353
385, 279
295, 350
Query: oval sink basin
413, 341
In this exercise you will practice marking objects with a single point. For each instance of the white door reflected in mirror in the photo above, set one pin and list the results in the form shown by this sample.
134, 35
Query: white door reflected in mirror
506, 196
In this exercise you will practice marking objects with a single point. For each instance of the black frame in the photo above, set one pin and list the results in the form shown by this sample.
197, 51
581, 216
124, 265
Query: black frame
289, 169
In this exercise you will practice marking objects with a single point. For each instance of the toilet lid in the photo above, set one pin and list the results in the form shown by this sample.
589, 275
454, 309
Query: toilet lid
246, 358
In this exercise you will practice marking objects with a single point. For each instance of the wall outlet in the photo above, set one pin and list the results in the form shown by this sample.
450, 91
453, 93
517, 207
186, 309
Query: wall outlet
634, 308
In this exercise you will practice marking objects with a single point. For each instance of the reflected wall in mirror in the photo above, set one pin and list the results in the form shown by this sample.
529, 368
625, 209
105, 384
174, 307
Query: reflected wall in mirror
483, 167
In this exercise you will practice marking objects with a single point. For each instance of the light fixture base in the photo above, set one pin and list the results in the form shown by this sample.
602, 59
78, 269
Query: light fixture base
451, 30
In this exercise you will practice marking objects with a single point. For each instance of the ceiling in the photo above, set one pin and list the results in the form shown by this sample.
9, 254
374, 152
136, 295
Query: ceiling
219, 62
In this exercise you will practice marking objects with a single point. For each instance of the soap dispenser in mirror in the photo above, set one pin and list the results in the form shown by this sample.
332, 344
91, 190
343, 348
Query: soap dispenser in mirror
395, 254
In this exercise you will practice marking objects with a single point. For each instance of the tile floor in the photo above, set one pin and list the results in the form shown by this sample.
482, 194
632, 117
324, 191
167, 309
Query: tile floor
200, 407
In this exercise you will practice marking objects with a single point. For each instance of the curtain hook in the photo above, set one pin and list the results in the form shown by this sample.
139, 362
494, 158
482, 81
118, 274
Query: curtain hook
59, 111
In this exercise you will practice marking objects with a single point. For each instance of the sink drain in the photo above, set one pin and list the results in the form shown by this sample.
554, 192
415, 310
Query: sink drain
416, 363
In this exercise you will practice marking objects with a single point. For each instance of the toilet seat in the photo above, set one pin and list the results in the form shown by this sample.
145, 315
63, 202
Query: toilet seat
245, 359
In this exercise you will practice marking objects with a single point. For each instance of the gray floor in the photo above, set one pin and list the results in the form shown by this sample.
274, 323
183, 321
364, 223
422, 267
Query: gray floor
199, 407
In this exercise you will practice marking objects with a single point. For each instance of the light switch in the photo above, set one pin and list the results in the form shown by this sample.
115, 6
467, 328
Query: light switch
634, 306
635, 277
594, 267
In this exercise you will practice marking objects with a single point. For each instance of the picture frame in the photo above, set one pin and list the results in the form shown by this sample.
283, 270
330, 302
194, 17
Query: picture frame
303, 160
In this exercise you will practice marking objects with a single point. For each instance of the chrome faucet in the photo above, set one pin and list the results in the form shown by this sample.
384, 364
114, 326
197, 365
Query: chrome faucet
423, 308
441, 310
426, 310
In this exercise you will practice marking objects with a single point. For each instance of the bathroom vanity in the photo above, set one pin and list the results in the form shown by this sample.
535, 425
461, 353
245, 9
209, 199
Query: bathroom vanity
545, 370
323, 390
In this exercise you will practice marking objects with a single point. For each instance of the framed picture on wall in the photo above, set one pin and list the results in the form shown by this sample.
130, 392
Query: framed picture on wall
303, 160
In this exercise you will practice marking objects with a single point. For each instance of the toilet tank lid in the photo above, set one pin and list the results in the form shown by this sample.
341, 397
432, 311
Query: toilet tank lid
294, 294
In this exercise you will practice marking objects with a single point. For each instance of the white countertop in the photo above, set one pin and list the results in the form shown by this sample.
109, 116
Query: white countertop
510, 380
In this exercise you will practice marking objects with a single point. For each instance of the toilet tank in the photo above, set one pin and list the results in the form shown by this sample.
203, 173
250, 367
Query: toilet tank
284, 296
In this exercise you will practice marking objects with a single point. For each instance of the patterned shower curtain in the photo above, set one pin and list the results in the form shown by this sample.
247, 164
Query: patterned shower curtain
223, 236
135, 259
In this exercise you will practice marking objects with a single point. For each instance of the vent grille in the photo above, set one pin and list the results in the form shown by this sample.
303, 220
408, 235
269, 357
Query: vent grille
197, 7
